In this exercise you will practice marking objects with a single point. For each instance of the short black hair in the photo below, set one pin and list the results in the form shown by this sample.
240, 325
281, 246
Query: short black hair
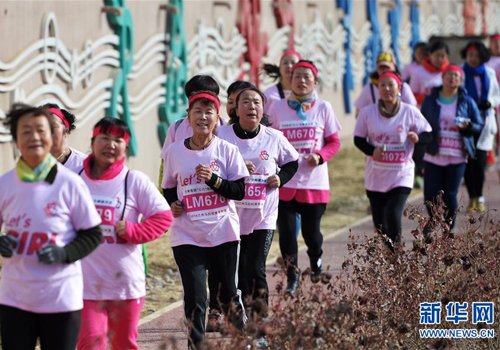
422, 46
438, 45
233, 118
239, 85
108, 123
201, 83
205, 101
18, 110
484, 53
70, 117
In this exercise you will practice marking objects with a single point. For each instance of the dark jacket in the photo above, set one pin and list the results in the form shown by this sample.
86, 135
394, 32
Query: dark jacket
466, 107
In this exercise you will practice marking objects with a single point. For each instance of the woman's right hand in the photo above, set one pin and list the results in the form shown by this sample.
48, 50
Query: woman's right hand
250, 166
176, 209
378, 154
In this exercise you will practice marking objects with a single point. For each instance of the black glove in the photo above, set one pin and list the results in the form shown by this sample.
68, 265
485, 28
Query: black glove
51, 254
7, 244
484, 105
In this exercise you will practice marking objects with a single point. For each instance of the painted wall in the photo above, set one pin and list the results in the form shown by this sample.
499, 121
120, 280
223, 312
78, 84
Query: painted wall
67, 52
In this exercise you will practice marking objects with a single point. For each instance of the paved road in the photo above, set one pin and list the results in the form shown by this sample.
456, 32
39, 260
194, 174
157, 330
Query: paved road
156, 331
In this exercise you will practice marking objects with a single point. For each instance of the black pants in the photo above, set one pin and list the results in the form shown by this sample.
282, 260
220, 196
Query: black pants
252, 279
310, 219
446, 179
387, 210
193, 262
20, 329
474, 174
418, 158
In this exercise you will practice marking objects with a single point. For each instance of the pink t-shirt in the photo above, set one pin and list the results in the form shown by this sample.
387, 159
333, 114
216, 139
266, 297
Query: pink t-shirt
37, 214
397, 169
408, 70
366, 99
494, 63
422, 81
307, 136
115, 270
208, 219
267, 151
450, 142
75, 160
272, 94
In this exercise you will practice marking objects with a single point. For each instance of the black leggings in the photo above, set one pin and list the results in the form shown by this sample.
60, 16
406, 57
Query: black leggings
310, 215
193, 262
20, 329
474, 174
387, 210
252, 270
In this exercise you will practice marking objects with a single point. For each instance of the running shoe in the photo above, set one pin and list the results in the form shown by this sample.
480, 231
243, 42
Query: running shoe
472, 205
215, 322
419, 182
481, 205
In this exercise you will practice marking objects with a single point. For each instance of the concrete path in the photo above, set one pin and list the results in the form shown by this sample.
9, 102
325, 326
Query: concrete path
156, 330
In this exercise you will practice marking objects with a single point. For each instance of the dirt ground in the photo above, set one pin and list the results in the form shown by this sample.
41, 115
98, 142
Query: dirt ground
348, 203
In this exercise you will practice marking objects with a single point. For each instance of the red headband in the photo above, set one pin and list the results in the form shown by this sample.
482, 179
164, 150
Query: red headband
60, 115
290, 52
452, 67
471, 48
207, 96
391, 75
306, 65
113, 130
495, 37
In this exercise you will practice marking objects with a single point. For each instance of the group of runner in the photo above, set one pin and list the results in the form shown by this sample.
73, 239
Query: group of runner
73, 269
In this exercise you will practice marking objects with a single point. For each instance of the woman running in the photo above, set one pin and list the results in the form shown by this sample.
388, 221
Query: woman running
312, 128
419, 53
283, 73
455, 121
202, 177
370, 95
64, 123
387, 132
133, 212
272, 161
50, 223
481, 84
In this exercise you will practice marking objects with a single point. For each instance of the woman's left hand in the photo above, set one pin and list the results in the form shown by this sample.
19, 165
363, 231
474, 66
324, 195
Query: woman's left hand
413, 136
121, 228
273, 181
312, 159
203, 172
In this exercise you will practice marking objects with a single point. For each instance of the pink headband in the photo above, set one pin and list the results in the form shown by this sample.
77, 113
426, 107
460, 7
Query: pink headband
452, 67
207, 96
472, 48
113, 130
306, 65
495, 37
391, 75
60, 115
290, 52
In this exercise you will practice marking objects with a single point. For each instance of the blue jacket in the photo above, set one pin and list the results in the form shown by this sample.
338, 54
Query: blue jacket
466, 107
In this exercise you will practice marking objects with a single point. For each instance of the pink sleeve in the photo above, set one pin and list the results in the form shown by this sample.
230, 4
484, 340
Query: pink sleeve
150, 229
332, 146
408, 96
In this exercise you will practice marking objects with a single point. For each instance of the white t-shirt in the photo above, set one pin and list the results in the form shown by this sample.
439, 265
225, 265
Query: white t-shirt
307, 136
38, 213
75, 160
397, 168
208, 219
267, 151
115, 270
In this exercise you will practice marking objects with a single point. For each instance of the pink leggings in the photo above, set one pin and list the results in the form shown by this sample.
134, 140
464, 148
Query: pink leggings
117, 319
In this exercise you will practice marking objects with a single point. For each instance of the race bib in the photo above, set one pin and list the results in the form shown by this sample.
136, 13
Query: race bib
301, 134
106, 208
255, 192
201, 202
450, 144
394, 158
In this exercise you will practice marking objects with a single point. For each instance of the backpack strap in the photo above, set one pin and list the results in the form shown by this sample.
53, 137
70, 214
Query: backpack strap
373, 93
126, 188
280, 90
